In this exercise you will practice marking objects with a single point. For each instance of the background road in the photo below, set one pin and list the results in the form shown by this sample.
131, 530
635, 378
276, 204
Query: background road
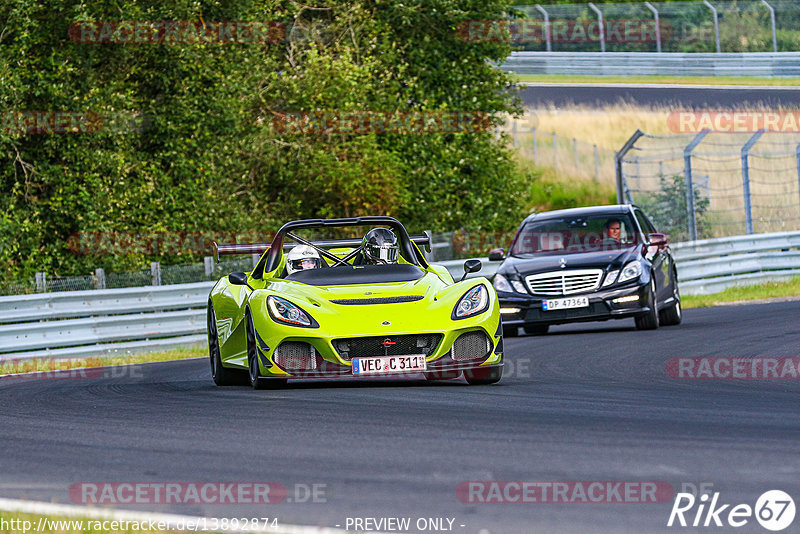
587, 402
682, 96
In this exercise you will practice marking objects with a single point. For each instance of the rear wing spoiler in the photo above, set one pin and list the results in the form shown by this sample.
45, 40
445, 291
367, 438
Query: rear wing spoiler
422, 240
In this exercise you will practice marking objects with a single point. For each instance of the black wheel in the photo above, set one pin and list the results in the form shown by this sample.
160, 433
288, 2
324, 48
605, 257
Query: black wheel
442, 375
673, 315
649, 321
222, 376
536, 330
510, 331
256, 380
483, 377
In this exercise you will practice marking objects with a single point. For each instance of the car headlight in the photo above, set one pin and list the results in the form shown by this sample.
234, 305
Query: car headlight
501, 283
283, 311
630, 271
474, 301
611, 277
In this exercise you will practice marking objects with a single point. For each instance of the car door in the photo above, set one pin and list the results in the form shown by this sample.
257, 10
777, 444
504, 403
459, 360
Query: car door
659, 257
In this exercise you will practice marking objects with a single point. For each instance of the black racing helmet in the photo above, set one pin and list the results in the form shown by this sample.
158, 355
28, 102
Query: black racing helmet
380, 246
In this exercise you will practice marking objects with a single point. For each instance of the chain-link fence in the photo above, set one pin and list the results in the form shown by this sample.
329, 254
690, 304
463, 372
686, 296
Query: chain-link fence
742, 183
567, 155
696, 26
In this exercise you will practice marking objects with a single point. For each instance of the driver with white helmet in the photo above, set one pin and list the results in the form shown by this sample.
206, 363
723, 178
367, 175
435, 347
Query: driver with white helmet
301, 258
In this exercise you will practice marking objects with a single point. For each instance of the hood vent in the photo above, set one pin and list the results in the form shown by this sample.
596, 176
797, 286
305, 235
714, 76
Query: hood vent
379, 300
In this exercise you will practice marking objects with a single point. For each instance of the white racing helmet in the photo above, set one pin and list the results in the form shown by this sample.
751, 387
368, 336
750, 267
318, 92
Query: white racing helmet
301, 258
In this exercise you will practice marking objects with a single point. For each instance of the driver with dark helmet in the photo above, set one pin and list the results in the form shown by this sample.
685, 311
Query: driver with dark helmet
380, 247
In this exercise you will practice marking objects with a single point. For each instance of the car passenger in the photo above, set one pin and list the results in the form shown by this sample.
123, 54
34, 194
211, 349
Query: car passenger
301, 258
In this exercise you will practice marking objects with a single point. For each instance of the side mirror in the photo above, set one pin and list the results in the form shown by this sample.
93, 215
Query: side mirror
471, 266
658, 240
497, 254
238, 278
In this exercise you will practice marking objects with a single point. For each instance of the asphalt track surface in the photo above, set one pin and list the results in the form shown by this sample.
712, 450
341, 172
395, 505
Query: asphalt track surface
586, 402
682, 96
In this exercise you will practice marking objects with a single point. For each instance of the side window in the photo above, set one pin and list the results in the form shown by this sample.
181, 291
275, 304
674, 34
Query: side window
644, 222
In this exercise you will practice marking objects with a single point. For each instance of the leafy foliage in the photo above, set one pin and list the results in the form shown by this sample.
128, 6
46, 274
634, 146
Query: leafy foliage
668, 209
208, 158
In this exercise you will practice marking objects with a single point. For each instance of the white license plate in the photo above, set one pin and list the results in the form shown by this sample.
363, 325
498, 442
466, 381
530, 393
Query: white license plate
384, 365
563, 304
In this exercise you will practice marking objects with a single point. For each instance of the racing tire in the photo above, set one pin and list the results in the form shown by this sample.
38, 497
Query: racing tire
649, 321
536, 330
483, 376
221, 375
673, 315
510, 331
254, 373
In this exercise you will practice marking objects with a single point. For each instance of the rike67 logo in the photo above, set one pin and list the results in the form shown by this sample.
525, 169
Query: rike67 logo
774, 510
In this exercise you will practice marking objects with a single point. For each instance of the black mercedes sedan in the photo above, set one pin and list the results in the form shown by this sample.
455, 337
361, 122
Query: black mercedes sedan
587, 264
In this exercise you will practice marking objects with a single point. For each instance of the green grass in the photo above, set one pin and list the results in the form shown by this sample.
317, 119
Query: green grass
59, 364
766, 290
693, 80
548, 190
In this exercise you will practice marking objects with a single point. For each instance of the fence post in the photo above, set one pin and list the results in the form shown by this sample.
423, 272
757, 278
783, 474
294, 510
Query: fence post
41, 283
208, 263
748, 211
547, 37
555, 153
687, 174
100, 278
155, 272
716, 23
514, 133
575, 151
600, 24
535, 146
661, 169
618, 164
658, 25
596, 165
772, 21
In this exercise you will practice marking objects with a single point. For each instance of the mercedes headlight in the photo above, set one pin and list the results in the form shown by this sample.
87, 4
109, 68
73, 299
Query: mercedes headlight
501, 283
611, 277
630, 271
474, 301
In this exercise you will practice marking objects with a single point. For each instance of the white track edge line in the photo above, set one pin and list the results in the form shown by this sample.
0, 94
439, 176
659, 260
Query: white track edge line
656, 85
172, 521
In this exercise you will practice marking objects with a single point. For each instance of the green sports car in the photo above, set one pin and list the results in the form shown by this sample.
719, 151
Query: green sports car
349, 318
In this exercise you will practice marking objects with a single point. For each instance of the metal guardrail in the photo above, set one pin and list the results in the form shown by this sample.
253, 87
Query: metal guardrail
765, 64
94, 323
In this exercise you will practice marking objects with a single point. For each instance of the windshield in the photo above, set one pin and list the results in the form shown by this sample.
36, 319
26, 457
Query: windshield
569, 235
